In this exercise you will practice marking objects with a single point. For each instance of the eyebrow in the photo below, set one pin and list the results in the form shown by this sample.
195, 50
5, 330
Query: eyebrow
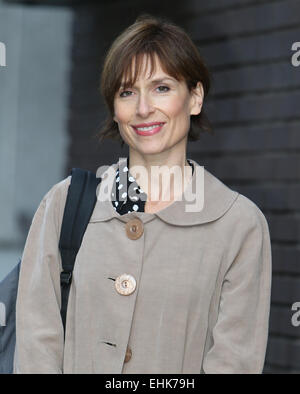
155, 81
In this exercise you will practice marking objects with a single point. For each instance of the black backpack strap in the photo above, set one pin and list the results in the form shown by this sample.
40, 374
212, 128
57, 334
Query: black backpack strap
80, 203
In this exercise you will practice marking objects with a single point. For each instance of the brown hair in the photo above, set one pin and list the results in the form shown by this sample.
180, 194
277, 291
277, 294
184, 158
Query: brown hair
179, 58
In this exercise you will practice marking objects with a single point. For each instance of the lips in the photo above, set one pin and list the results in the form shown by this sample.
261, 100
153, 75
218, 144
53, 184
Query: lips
147, 124
147, 129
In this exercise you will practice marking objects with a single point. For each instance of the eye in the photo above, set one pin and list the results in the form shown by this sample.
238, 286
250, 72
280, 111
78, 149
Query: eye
162, 89
125, 91
165, 88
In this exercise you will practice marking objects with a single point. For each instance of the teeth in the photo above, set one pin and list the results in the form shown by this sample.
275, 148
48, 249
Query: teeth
149, 128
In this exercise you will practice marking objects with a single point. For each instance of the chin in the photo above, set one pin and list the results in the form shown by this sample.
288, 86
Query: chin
149, 149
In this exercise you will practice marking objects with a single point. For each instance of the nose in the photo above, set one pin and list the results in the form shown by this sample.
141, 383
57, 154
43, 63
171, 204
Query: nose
144, 105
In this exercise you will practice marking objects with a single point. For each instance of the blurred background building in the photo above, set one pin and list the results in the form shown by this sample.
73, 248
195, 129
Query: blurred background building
51, 109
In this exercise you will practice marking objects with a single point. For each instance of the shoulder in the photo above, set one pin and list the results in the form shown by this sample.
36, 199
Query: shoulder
53, 202
241, 214
235, 205
247, 211
58, 192
59, 188
223, 202
244, 224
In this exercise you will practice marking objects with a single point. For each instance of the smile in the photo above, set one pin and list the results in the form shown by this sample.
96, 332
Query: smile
148, 130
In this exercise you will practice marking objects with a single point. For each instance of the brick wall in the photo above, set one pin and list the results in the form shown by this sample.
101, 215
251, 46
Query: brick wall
254, 107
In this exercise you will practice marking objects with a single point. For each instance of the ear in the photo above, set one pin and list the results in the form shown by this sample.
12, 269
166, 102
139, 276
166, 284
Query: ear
197, 99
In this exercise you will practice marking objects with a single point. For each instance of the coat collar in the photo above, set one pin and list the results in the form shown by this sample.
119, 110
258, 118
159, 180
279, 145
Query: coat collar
217, 200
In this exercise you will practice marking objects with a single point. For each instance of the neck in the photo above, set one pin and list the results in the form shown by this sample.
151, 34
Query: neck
162, 178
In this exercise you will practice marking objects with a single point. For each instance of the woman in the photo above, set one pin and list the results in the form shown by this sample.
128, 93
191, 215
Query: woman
160, 285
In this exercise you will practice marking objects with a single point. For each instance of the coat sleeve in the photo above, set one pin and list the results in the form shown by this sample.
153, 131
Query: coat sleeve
239, 337
39, 330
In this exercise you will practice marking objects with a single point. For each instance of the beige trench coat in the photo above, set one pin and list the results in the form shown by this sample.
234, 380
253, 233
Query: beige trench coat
202, 297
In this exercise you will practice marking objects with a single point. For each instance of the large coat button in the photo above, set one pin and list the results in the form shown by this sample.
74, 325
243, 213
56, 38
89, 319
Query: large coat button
134, 228
125, 284
128, 355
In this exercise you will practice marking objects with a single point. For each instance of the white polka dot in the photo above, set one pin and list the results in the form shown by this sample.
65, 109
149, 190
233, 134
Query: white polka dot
135, 207
129, 211
124, 195
120, 187
135, 188
112, 194
131, 179
125, 169
116, 203
117, 179
134, 198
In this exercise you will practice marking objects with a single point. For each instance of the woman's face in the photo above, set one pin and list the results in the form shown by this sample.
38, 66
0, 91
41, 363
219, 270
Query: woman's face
159, 99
